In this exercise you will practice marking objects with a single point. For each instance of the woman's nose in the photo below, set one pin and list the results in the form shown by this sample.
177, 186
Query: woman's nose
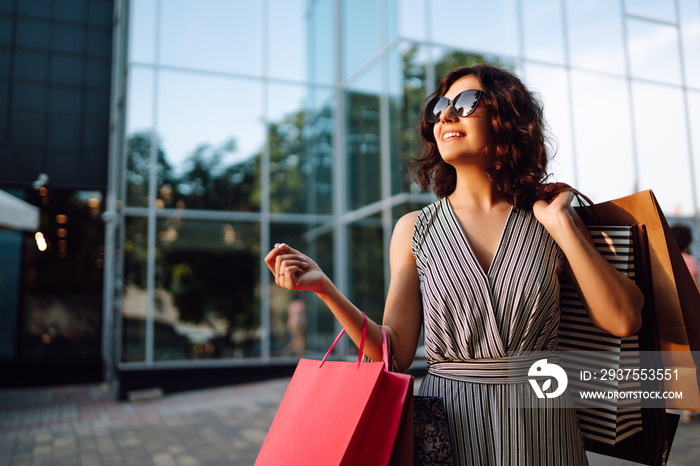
449, 114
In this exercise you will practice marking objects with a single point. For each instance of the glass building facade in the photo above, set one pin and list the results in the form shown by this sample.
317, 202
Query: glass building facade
55, 81
240, 124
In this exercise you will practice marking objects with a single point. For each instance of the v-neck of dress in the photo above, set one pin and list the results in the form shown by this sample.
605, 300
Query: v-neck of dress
472, 255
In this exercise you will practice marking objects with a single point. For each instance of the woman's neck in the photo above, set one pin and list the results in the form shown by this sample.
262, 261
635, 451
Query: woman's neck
475, 190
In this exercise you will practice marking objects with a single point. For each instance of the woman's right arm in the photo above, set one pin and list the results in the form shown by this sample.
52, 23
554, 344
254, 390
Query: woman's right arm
403, 312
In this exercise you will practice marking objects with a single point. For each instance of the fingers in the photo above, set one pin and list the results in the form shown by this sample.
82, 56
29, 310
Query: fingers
286, 264
549, 191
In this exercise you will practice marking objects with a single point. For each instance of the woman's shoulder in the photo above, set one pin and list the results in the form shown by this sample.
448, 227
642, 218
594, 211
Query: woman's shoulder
406, 224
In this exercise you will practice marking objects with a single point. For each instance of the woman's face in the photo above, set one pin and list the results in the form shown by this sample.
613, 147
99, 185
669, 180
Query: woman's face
461, 140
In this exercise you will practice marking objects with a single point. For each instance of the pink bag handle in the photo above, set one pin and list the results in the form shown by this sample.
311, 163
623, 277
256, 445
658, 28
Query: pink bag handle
385, 346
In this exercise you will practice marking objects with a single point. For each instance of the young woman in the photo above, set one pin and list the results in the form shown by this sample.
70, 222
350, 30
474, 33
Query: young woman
479, 270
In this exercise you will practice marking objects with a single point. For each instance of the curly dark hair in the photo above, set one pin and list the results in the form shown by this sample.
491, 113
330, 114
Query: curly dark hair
517, 154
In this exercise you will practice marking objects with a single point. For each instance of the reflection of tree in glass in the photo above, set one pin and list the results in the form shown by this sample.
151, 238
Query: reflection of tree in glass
209, 184
217, 287
138, 163
300, 163
288, 164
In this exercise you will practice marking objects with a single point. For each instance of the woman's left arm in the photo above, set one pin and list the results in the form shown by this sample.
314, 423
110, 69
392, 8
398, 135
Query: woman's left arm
613, 301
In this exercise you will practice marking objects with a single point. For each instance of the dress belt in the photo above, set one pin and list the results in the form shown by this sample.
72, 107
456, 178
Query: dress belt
509, 370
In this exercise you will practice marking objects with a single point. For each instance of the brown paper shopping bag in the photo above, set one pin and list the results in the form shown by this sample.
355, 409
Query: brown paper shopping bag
675, 297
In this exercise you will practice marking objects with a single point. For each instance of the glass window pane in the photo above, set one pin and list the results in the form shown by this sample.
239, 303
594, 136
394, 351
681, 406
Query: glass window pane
142, 27
543, 30
212, 35
694, 111
365, 259
407, 92
363, 139
29, 97
492, 26
292, 166
361, 39
134, 297
595, 35
64, 132
662, 145
287, 39
62, 286
31, 65
653, 50
139, 126
448, 59
27, 129
321, 42
67, 69
10, 285
68, 38
300, 324
318, 139
33, 33
213, 136
409, 14
552, 86
604, 153
71, 10
690, 35
662, 10
206, 301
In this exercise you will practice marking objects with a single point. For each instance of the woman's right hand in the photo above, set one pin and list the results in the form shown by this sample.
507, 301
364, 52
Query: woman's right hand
293, 270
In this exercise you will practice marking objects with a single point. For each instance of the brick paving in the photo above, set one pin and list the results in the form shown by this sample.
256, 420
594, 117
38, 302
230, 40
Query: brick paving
83, 425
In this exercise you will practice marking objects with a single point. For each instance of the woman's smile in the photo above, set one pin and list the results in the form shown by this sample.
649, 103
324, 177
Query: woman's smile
453, 135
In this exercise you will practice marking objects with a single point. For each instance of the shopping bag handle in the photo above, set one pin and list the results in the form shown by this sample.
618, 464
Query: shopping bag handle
385, 346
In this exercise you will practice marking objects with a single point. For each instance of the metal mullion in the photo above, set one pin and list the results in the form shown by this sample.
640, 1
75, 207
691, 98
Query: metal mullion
265, 198
649, 20
569, 89
151, 248
630, 96
109, 344
686, 112
385, 150
339, 184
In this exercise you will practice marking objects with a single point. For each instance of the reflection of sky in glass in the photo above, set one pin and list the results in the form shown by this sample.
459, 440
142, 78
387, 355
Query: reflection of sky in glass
653, 50
360, 16
662, 146
321, 37
212, 35
479, 26
690, 34
543, 31
284, 100
140, 100
603, 136
663, 10
595, 35
287, 39
551, 85
211, 110
142, 22
694, 110
410, 18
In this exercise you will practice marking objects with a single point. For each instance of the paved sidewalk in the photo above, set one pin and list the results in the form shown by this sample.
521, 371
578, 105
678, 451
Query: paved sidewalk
82, 425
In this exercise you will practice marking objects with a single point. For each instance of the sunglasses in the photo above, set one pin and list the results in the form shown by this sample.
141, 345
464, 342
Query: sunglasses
463, 105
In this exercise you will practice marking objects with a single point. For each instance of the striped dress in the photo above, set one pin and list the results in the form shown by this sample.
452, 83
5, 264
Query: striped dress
475, 322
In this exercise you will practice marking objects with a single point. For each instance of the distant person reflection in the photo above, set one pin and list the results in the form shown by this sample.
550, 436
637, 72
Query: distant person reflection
296, 326
684, 237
